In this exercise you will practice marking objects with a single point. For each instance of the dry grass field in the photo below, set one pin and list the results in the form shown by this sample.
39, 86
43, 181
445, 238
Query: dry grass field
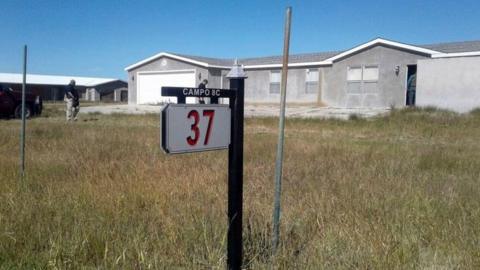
396, 192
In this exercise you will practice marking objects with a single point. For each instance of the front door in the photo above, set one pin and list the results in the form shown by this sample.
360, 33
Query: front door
124, 96
411, 84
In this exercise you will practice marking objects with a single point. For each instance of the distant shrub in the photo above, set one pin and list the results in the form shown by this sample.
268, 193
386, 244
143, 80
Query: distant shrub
475, 112
423, 110
52, 110
392, 107
429, 109
354, 117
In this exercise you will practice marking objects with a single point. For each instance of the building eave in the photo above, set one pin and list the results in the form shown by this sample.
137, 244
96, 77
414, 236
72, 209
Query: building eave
102, 83
173, 56
461, 54
302, 64
56, 80
206, 65
381, 41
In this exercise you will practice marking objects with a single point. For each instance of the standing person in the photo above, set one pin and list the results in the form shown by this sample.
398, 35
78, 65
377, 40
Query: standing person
411, 89
202, 85
72, 101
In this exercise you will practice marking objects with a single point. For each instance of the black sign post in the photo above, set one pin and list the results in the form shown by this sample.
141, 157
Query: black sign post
235, 170
235, 152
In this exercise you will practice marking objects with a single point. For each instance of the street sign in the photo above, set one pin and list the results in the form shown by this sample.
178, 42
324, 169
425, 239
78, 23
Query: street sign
182, 92
195, 127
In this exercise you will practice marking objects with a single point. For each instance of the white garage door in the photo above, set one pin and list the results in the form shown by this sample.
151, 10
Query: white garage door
149, 85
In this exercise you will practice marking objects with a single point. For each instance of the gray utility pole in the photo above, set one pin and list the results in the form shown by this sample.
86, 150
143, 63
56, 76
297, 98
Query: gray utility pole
22, 136
281, 132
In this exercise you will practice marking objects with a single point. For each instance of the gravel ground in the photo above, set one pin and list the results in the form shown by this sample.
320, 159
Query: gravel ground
252, 111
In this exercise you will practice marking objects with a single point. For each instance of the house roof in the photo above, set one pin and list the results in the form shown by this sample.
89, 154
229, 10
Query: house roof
380, 41
293, 58
196, 60
17, 78
266, 60
211, 61
455, 47
440, 50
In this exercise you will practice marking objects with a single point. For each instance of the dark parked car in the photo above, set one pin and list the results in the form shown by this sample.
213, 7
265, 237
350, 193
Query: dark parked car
11, 103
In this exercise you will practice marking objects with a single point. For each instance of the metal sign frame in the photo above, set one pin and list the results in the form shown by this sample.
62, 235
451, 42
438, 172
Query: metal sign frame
235, 153
181, 93
167, 140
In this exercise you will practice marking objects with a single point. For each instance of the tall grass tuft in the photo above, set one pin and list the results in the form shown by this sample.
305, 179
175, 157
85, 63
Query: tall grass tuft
394, 192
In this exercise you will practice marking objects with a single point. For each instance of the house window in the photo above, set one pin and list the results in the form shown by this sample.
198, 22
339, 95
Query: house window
275, 78
354, 74
362, 73
370, 73
311, 81
362, 79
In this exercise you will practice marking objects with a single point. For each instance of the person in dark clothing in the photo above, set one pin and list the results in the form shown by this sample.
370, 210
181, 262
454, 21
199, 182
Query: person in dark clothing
202, 85
411, 89
72, 101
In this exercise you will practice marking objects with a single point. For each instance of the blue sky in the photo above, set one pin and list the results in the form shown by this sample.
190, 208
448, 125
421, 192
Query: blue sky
101, 38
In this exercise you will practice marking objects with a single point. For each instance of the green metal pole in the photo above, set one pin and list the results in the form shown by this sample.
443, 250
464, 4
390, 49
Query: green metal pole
281, 131
22, 136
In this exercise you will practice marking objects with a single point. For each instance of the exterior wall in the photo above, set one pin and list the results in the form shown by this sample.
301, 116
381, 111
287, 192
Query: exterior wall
57, 92
257, 86
391, 87
224, 81
117, 94
96, 95
91, 94
54, 93
156, 65
51, 92
214, 78
106, 92
111, 86
449, 83
46, 92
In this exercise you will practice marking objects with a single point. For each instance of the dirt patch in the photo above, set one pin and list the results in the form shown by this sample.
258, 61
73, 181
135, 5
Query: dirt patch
254, 110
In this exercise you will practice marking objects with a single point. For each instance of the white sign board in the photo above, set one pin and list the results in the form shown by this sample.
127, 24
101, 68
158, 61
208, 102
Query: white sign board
195, 127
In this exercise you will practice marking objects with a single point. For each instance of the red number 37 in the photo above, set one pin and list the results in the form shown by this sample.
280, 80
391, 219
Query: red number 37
196, 130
